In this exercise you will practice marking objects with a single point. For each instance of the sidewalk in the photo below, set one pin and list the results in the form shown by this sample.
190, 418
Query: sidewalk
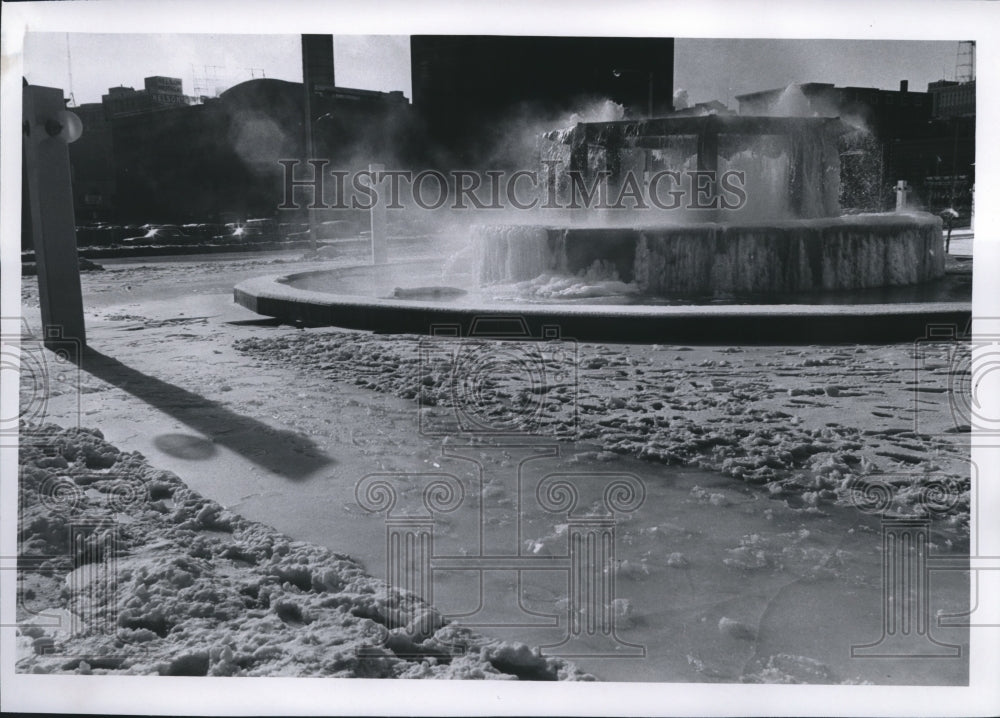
286, 450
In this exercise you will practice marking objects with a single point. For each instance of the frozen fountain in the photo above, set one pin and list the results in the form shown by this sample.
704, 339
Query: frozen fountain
786, 235
783, 265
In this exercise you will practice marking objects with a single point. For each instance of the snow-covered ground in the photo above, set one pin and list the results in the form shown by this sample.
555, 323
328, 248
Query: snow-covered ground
744, 562
134, 573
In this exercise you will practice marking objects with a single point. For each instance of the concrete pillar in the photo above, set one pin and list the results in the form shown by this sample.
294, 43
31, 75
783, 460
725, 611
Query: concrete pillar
613, 148
578, 154
708, 161
579, 161
48, 191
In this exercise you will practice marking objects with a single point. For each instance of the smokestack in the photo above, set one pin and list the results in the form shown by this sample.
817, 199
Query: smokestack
904, 85
317, 71
317, 61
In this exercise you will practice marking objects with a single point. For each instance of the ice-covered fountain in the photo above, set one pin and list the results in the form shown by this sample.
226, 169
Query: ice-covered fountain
782, 233
777, 261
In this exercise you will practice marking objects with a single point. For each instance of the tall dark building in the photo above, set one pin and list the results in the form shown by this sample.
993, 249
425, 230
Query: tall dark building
317, 61
465, 86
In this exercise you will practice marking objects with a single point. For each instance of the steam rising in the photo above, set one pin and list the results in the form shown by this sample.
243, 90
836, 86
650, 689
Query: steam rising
793, 103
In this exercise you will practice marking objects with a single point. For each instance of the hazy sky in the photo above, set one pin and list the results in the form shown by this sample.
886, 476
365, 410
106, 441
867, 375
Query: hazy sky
708, 69
722, 69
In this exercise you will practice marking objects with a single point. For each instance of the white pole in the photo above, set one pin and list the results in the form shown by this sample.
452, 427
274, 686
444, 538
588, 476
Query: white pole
378, 220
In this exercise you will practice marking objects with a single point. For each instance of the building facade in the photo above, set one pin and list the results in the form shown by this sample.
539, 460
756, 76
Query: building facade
474, 92
926, 139
221, 158
952, 99
158, 93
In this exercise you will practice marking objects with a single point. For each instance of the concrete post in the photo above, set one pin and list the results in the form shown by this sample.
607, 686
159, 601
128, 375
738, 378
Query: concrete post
48, 191
579, 161
708, 161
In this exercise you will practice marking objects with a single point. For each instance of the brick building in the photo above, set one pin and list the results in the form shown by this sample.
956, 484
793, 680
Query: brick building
925, 138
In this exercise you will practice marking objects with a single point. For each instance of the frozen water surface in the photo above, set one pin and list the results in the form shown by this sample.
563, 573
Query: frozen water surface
715, 579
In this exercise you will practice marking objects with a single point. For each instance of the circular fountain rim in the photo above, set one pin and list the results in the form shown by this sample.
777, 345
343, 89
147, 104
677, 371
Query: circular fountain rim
906, 218
707, 324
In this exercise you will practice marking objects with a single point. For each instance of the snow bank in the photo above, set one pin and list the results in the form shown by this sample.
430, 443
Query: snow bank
123, 569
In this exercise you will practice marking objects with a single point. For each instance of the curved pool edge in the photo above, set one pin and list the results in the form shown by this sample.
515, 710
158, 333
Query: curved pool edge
718, 324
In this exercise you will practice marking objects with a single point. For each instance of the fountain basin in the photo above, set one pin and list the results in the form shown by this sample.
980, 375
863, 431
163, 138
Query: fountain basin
362, 298
715, 259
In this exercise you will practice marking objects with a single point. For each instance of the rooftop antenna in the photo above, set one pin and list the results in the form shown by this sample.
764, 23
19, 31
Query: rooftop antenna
69, 72
213, 73
206, 84
198, 83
